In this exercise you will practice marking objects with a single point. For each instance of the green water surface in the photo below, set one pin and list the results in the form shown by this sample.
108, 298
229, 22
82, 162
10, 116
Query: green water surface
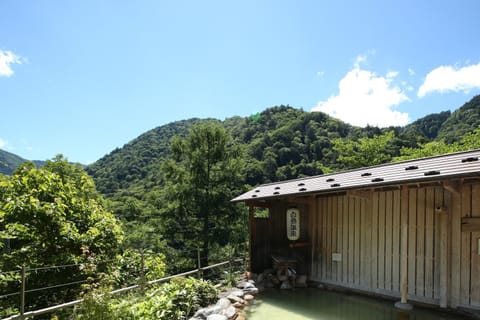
316, 304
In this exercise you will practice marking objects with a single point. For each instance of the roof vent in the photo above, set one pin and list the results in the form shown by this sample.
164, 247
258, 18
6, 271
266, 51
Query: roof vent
254, 195
330, 179
431, 173
302, 189
411, 168
277, 188
377, 180
276, 192
335, 185
301, 184
258, 190
470, 159
366, 174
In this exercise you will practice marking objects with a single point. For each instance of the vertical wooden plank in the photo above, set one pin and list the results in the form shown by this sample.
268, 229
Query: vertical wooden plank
328, 212
381, 240
251, 211
420, 270
351, 239
429, 220
456, 239
312, 208
357, 242
437, 243
334, 236
475, 257
339, 236
388, 240
324, 238
412, 239
466, 248
364, 282
374, 241
396, 242
345, 240
443, 252
319, 239
367, 250
404, 248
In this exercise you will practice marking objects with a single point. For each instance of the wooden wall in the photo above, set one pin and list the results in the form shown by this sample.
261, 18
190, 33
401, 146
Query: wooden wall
269, 236
365, 231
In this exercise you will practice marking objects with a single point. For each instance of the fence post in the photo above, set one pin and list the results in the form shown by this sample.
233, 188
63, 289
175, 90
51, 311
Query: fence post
142, 272
199, 264
22, 293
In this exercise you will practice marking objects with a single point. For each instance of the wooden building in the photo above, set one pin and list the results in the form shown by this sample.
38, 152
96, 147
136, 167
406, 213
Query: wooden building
409, 229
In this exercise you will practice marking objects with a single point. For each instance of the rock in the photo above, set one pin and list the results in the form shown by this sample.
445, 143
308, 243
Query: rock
224, 303
230, 312
240, 317
251, 290
260, 277
248, 297
235, 298
301, 281
205, 312
286, 285
217, 317
238, 305
251, 281
238, 293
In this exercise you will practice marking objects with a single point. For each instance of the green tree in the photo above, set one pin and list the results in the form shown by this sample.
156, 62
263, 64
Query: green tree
203, 175
365, 151
53, 216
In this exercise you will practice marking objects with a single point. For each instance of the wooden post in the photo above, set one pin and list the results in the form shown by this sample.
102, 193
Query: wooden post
313, 217
403, 304
199, 265
443, 215
404, 263
251, 221
22, 293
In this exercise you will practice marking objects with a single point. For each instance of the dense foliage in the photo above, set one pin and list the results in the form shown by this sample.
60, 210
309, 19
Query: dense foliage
201, 177
52, 216
176, 300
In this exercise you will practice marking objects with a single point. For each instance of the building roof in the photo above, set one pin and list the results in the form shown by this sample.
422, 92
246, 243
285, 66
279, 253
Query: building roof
448, 166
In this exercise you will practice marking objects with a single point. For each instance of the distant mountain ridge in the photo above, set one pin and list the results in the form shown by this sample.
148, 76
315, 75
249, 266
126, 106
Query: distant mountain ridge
9, 162
281, 142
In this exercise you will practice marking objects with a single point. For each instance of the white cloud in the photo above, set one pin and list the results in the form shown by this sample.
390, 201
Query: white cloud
3, 143
366, 98
448, 78
7, 58
411, 71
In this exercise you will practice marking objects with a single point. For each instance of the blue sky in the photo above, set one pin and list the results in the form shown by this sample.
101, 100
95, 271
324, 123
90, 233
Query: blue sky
84, 77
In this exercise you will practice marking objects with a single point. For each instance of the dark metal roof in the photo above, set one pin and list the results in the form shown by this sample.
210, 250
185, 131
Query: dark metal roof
448, 166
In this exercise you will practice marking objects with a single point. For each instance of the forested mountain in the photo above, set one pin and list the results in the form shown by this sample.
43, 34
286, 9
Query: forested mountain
280, 143
9, 162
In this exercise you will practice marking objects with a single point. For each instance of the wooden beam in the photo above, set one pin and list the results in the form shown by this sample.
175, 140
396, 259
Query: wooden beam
452, 186
360, 194
471, 224
299, 200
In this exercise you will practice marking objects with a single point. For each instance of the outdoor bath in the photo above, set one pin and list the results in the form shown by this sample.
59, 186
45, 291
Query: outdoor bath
318, 304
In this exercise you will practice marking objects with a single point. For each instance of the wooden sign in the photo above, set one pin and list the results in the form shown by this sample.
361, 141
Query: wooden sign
293, 224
